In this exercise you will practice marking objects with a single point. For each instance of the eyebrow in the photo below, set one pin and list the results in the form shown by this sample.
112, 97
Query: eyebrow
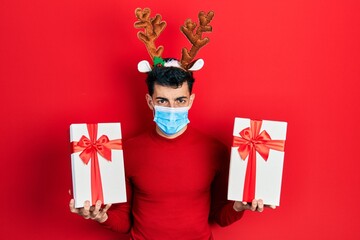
162, 98
181, 98
166, 99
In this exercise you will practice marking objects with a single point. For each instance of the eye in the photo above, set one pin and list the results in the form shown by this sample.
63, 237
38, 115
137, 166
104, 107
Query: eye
161, 102
181, 101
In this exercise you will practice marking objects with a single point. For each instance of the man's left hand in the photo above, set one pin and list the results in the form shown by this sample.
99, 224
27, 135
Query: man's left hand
255, 205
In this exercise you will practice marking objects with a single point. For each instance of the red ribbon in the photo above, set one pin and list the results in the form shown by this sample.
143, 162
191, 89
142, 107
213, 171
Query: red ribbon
89, 149
250, 142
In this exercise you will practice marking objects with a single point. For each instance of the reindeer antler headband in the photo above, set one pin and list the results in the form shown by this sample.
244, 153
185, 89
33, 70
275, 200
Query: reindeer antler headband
153, 27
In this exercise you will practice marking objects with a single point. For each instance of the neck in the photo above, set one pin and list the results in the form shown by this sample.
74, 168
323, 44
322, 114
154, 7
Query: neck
158, 131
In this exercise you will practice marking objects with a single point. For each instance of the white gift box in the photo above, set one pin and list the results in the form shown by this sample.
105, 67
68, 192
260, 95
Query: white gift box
112, 172
268, 173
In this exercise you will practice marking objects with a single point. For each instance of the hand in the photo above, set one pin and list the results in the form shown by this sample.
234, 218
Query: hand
91, 212
256, 205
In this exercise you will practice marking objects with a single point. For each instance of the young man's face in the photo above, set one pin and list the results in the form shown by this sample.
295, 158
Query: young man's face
170, 97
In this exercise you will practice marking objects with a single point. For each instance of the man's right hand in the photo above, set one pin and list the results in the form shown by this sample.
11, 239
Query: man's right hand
91, 212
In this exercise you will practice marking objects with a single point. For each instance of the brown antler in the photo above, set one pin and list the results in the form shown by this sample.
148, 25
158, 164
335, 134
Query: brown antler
195, 38
152, 29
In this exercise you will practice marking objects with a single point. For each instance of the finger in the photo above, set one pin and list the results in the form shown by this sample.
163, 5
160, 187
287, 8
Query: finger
86, 210
260, 206
70, 192
106, 208
242, 205
253, 205
96, 209
72, 206
270, 206
102, 215
238, 206
245, 205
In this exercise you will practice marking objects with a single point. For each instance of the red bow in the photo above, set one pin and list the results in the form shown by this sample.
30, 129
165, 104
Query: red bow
89, 149
250, 142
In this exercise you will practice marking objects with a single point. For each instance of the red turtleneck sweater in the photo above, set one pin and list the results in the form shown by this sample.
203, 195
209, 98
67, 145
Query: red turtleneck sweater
175, 187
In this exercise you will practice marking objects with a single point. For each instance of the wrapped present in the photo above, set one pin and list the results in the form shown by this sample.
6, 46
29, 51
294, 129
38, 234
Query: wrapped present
97, 163
257, 158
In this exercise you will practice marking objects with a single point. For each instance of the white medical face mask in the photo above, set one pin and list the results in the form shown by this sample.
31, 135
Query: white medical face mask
171, 120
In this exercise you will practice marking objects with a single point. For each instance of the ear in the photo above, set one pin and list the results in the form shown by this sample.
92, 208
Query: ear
197, 65
192, 98
149, 101
144, 66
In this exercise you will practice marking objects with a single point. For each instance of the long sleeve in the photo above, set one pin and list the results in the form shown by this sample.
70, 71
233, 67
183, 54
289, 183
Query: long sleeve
222, 211
119, 215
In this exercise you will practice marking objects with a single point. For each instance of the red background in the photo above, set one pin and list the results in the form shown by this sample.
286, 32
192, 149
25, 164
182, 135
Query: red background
67, 61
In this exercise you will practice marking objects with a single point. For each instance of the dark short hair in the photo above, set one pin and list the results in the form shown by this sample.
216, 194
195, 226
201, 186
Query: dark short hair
170, 77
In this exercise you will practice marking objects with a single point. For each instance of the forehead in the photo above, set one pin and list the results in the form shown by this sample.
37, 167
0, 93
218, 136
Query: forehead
171, 92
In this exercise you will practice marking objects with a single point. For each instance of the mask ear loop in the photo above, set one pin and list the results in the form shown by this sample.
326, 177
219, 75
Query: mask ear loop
153, 106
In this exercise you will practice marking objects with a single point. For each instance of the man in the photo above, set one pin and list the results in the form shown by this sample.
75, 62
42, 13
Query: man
176, 176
